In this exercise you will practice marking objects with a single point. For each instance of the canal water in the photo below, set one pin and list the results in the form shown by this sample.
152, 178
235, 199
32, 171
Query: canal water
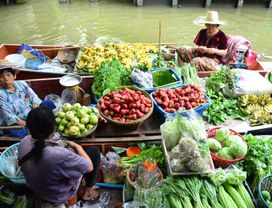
82, 22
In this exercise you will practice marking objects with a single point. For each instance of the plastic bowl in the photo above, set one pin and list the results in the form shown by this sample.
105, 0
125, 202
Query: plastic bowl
16, 59
34, 63
219, 161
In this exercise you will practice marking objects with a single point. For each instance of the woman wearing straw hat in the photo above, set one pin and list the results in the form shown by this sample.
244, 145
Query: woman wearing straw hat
211, 45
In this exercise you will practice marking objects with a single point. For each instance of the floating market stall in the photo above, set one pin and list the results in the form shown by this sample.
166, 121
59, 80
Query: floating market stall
149, 149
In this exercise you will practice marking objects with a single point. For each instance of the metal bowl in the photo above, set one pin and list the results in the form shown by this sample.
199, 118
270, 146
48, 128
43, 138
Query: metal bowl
70, 80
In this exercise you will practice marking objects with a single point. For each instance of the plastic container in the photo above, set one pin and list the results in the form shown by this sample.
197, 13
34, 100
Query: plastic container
218, 161
9, 155
177, 83
34, 63
199, 109
16, 59
264, 185
171, 173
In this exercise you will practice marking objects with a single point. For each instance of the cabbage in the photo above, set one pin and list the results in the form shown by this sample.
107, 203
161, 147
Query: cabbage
229, 140
214, 145
177, 166
238, 148
197, 164
171, 134
175, 153
225, 153
222, 133
188, 147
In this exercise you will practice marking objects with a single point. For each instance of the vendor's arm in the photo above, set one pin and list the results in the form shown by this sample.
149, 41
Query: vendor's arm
216, 51
80, 151
8, 115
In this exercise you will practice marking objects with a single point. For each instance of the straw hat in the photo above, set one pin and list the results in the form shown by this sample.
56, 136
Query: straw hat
212, 18
67, 55
5, 65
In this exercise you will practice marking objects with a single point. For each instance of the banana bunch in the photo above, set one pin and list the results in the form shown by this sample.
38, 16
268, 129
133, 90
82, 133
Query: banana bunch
257, 107
129, 55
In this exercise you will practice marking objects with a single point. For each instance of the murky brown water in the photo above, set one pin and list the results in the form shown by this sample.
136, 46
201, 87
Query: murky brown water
81, 22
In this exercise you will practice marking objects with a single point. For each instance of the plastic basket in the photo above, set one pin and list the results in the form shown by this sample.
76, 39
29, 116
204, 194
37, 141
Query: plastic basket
163, 115
264, 185
177, 83
10, 153
218, 161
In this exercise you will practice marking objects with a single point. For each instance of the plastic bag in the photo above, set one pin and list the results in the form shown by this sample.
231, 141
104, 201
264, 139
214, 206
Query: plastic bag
112, 172
142, 79
249, 82
147, 175
29, 52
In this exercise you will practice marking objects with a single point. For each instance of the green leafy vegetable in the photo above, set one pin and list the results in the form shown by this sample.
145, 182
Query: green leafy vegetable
110, 76
162, 77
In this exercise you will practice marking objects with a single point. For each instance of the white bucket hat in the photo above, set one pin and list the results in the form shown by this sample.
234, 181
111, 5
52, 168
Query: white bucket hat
212, 18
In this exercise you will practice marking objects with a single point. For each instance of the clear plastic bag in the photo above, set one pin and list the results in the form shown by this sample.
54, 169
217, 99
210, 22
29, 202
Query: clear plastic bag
112, 172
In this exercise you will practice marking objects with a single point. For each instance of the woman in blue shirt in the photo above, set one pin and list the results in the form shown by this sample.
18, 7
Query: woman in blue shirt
16, 100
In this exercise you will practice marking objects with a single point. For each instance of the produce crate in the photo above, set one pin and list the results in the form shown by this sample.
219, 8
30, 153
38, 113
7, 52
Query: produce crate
177, 83
171, 173
199, 109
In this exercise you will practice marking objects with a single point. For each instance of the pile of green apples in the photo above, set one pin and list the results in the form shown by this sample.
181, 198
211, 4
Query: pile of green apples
75, 120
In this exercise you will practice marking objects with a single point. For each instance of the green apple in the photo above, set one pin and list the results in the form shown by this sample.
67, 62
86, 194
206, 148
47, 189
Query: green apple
80, 113
63, 122
76, 106
66, 131
61, 128
85, 108
66, 107
85, 119
75, 121
93, 118
74, 130
58, 120
69, 115
89, 126
81, 127
61, 114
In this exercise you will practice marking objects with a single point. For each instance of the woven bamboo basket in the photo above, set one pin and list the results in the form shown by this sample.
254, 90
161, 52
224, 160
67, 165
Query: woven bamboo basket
132, 124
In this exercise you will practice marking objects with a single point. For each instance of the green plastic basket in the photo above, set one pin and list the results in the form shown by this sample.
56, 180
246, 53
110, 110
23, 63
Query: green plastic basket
9, 155
264, 185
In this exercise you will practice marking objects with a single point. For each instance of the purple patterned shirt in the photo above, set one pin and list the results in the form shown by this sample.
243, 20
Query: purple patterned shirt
56, 176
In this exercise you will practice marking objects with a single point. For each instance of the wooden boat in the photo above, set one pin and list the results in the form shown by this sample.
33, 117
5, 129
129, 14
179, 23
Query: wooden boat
51, 52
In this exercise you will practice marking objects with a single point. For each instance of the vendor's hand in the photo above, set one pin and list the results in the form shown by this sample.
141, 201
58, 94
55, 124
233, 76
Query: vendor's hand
200, 49
210, 51
72, 145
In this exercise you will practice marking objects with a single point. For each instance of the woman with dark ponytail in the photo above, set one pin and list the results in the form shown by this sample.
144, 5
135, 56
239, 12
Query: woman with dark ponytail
53, 172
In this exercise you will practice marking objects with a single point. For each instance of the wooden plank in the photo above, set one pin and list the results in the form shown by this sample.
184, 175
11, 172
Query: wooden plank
208, 3
104, 140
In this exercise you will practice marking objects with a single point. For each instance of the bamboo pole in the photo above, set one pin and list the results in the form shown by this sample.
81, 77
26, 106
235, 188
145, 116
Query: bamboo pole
160, 43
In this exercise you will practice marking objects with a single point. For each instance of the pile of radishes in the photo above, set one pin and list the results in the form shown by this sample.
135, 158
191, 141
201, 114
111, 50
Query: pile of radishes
183, 98
125, 105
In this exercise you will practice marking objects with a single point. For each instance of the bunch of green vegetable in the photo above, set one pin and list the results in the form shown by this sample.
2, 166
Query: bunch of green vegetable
153, 153
231, 176
195, 192
110, 76
222, 78
258, 160
151, 197
189, 74
221, 108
